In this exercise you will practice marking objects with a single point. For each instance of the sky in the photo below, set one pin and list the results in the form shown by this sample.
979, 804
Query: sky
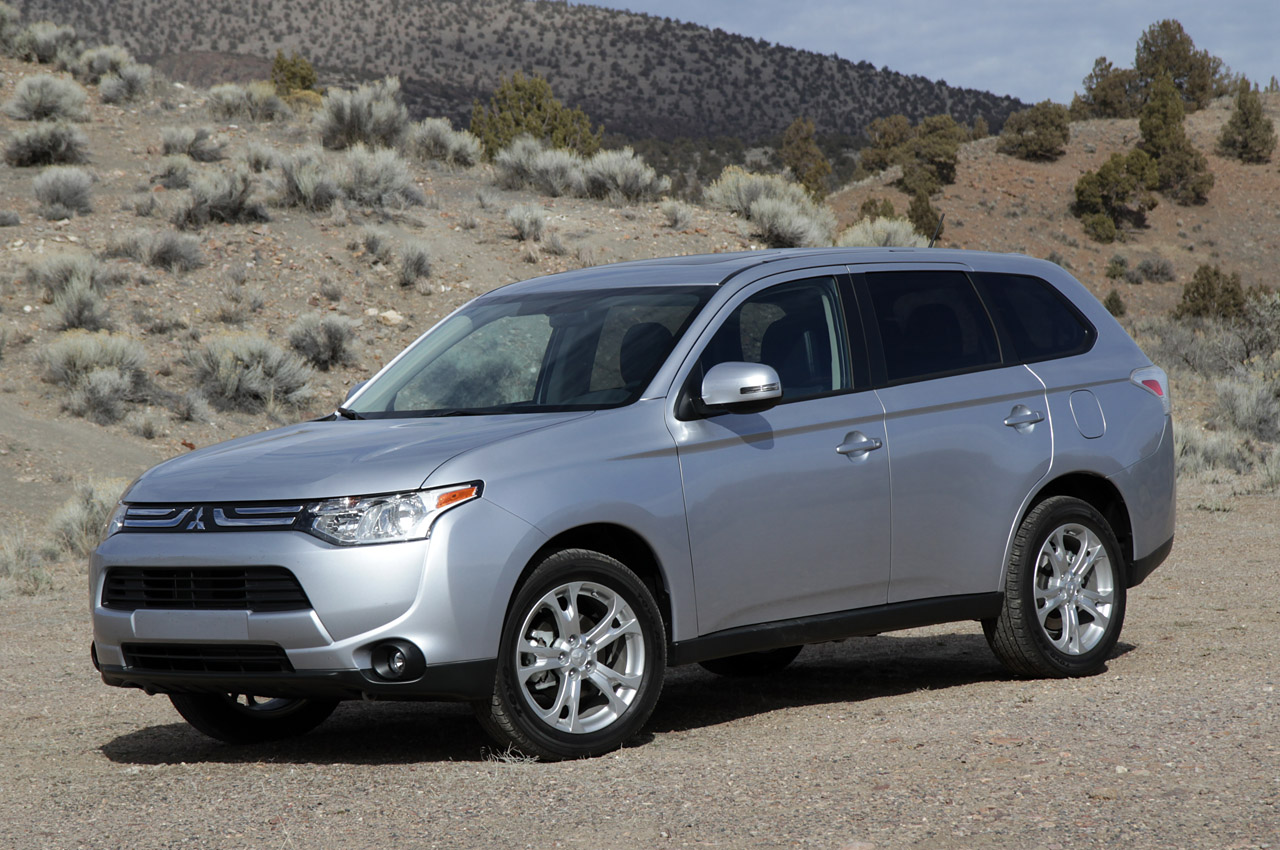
1031, 49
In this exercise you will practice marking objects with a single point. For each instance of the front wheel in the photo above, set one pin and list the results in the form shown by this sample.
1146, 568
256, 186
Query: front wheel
582, 659
1064, 596
248, 719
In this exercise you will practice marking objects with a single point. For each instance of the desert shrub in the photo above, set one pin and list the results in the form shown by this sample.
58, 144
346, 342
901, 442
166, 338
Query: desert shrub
924, 217
1100, 227
256, 102
1211, 293
375, 245
59, 272
785, 224
1117, 266
259, 157
9, 218
415, 263
22, 564
1119, 192
130, 83
1114, 304
553, 244
874, 208
81, 521
10, 29
226, 196
47, 143
1182, 171
249, 373
175, 172
372, 115
529, 221
620, 174
800, 153
1249, 405
1196, 451
196, 142
557, 172
236, 303
45, 42
323, 340
96, 62
678, 214
44, 98
307, 180
435, 139
191, 407
525, 106
1038, 133
379, 178
1248, 135
882, 232
73, 356
175, 252
292, 73
737, 189
79, 305
1155, 270
63, 190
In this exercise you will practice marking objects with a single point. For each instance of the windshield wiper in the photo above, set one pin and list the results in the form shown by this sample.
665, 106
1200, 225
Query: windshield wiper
348, 414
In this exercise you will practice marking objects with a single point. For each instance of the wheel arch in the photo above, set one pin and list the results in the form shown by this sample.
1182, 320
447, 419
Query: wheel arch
618, 542
1097, 491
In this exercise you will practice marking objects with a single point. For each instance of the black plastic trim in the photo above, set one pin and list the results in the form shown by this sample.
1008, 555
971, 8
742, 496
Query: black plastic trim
458, 681
837, 625
1146, 565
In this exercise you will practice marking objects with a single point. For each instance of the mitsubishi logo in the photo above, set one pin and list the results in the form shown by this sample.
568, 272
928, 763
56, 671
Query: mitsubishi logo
197, 524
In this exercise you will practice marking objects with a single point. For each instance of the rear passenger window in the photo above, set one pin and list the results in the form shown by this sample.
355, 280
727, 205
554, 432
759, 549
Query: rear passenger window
1035, 317
931, 323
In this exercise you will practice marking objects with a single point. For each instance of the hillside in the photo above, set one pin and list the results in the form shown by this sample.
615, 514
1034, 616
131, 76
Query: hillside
639, 75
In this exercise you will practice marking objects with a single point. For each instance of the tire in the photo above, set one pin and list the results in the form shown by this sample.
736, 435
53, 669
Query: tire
1061, 616
752, 663
581, 661
247, 719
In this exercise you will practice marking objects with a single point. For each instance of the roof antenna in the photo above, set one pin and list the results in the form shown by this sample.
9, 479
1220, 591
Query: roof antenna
937, 230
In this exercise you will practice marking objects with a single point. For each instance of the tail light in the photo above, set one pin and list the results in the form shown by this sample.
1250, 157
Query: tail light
1155, 381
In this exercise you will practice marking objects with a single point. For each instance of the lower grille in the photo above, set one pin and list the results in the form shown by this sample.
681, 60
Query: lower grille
206, 658
203, 588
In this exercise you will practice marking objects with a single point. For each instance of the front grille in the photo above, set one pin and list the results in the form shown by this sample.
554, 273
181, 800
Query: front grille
206, 658
203, 588
211, 517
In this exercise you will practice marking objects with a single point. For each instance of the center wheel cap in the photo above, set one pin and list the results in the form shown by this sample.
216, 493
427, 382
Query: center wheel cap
577, 657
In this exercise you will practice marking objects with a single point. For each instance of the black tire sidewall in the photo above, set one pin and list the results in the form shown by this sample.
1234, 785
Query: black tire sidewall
1071, 511
558, 569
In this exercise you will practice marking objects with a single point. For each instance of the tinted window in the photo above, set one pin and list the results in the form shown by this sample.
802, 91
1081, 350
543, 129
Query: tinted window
930, 322
1035, 317
797, 328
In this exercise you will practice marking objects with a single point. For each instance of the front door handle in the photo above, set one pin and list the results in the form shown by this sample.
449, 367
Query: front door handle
1022, 418
857, 444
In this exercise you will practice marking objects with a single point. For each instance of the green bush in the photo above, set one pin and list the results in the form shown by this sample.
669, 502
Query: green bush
379, 178
372, 115
1114, 304
435, 139
1116, 267
882, 232
45, 98
225, 196
62, 191
1100, 227
1248, 135
1183, 172
1119, 192
292, 73
800, 153
1212, 293
1156, 270
1038, 133
1165, 49
1109, 92
130, 83
525, 106
250, 373
873, 208
925, 217
323, 340
47, 143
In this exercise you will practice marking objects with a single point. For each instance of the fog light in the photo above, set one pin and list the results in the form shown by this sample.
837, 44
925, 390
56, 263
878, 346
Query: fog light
398, 661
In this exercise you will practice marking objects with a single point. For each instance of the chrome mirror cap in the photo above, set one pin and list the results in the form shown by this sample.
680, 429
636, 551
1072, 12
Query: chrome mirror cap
729, 384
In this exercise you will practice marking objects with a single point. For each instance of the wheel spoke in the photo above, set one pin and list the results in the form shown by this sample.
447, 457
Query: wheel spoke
605, 679
1090, 607
1056, 551
547, 658
1071, 629
606, 633
567, 616
1090, 549
1053, 602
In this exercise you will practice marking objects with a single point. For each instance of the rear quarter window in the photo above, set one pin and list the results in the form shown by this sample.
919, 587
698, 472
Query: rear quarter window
1037, 320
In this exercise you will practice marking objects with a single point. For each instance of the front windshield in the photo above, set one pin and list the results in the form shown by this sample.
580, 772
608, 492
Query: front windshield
536, 352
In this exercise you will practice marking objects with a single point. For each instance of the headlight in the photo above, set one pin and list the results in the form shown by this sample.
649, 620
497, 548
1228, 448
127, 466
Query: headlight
357, 520
117, 519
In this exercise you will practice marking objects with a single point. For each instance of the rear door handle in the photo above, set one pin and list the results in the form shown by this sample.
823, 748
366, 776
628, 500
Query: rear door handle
857, 444
1022, 418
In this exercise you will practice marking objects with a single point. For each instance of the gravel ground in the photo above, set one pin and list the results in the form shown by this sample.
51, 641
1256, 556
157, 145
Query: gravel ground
917, 739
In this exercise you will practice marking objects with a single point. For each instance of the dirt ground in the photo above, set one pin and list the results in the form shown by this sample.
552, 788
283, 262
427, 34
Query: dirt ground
917, 739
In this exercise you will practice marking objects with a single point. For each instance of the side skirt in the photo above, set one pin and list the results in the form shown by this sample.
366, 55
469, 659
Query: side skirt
837, 625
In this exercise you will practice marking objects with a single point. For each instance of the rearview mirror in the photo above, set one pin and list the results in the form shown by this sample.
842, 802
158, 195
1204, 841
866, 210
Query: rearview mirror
736, 385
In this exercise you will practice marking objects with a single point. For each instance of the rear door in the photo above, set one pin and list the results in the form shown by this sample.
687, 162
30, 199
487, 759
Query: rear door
781, 524
968, 435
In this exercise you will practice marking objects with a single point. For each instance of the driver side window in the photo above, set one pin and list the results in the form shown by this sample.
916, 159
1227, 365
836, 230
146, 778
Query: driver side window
797, 328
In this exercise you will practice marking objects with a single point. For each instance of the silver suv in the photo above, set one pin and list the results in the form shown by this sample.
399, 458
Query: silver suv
574, 482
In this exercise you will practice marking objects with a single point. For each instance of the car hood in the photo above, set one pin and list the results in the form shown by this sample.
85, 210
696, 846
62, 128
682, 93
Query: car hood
323, 459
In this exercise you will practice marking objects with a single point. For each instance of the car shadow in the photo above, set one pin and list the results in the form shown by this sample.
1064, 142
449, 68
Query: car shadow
852, 671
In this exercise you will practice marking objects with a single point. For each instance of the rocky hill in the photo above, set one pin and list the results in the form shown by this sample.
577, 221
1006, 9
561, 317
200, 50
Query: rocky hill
640, 75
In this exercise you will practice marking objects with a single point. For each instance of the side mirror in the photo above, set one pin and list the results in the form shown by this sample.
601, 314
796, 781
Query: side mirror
353, 391
741, 387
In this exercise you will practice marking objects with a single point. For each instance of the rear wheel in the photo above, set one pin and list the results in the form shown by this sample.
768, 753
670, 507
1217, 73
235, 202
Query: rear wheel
248, 719
1064, 596
582, 659
753, 663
